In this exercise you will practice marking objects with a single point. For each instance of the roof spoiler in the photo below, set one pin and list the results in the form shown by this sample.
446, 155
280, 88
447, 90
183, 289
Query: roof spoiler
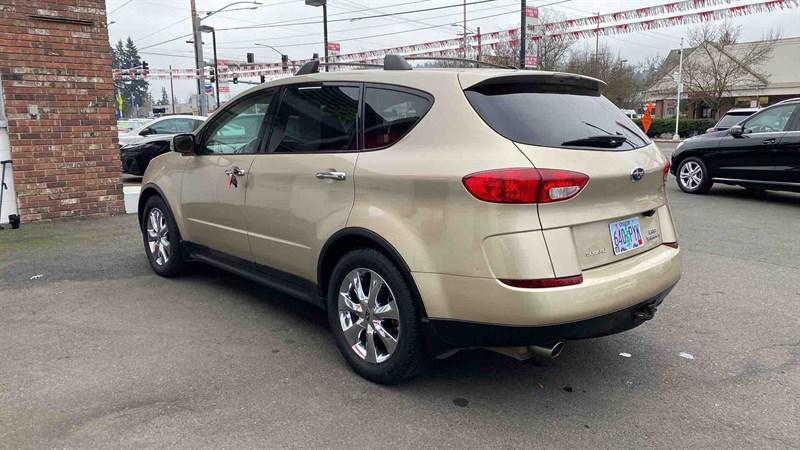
545, 78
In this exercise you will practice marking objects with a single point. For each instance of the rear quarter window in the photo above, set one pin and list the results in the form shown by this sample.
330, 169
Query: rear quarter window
551, 116
389, 114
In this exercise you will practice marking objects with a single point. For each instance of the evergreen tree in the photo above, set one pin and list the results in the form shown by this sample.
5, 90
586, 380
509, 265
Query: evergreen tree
164, 100
134, 91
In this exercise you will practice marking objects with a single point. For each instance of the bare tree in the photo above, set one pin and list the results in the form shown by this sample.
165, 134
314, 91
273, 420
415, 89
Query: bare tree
624, 87
551, 53
719, 64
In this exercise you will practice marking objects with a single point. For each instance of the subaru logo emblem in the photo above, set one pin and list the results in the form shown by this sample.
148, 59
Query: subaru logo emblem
637, 174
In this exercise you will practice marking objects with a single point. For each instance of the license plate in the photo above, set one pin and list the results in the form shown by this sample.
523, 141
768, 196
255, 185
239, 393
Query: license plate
626, 235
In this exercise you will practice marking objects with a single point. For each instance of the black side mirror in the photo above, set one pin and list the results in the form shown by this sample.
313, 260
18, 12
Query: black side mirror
146, 132
736, 131
183, 144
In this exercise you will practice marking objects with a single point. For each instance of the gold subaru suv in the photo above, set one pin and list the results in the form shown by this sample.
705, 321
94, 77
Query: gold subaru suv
425, 210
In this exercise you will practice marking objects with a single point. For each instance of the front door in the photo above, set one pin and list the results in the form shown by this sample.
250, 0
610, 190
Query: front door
216, 180
754, 154
787, 167
301, 189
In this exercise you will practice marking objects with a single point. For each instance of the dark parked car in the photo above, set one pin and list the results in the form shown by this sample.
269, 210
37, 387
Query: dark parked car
732, 117
762, 152
136, 157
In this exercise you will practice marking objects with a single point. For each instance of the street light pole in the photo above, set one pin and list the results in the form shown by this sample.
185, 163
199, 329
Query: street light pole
324, 4
480, 49
198, 61
207, 29
676, 136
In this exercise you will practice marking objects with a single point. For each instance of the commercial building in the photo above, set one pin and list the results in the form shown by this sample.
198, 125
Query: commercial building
775, 79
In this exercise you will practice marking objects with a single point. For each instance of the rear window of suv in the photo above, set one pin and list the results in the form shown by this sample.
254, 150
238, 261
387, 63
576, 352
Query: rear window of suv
555, 116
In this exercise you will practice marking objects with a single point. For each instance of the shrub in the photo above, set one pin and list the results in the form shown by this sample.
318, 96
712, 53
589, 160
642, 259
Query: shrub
686, 127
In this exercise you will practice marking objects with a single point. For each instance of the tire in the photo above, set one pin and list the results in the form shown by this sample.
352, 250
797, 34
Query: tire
158, 223
698, 183
396, 350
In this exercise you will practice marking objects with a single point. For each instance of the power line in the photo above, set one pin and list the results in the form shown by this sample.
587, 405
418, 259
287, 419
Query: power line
119, 7
278, 38
314, 22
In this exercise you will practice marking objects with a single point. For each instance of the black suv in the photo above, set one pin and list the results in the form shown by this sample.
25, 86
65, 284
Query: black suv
762, 152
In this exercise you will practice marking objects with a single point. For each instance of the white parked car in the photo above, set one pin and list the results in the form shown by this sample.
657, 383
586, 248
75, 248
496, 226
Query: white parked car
163, 125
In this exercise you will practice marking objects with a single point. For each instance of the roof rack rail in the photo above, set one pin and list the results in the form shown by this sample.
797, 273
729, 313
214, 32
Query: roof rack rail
395, 62
309, 67
794, 99
392, 62
464, 60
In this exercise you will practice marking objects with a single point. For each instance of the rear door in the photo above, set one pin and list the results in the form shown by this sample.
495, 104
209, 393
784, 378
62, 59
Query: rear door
755, 154
301, 189
214, 187
565, 124
787, 166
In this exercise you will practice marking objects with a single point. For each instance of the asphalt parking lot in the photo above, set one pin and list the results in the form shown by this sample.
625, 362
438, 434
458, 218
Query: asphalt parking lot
97, 351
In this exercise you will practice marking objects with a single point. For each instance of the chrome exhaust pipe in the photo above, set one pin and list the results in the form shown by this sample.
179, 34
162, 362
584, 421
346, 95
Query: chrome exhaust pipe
547, 352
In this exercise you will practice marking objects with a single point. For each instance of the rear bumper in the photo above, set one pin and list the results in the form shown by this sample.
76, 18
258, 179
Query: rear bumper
455, 334
605, 290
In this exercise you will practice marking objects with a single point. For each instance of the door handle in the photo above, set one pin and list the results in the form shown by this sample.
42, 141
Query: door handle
769, 141
235, 171
331, 175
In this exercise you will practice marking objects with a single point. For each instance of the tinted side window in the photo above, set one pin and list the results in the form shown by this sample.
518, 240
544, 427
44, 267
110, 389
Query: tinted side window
316, 119
164, 127
771, 120
236, 128
185, 125
390, 114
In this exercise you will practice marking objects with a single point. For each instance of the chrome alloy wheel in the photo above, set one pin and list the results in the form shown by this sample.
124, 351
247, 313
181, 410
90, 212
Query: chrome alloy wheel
368, 315
691, 175
158, 237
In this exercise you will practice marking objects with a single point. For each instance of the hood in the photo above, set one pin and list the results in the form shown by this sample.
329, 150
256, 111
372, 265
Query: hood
139, 140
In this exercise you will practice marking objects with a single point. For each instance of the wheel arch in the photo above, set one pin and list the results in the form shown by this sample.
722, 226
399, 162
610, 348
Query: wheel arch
150, 190
355, 237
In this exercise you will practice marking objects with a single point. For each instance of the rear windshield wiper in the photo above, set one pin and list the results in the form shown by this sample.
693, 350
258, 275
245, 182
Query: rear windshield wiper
602, 141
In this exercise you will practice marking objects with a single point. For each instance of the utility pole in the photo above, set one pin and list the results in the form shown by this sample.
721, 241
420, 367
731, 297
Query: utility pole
480, 49
198, 61
676, 136
325, 31
522, 30
465, 29
597, 47
171, 89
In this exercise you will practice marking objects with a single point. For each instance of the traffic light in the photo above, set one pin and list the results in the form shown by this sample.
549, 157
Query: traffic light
236, 79
145, 66
263, 79
212, 75
251, 58
285, 62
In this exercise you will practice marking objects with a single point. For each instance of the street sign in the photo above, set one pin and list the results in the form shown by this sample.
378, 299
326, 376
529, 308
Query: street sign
209, 89
531, 61
532, 12
334, 48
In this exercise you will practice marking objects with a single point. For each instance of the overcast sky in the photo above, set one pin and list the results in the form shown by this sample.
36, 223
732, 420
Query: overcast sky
150, 22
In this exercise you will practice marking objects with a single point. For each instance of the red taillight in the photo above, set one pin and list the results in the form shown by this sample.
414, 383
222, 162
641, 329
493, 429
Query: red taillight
671, 244
525, 185
665, 171
504, 185
544, 282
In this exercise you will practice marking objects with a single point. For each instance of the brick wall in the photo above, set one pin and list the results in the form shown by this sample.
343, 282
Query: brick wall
59, 98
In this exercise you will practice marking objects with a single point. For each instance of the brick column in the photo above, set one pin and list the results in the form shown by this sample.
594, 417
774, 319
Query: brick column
55, 63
